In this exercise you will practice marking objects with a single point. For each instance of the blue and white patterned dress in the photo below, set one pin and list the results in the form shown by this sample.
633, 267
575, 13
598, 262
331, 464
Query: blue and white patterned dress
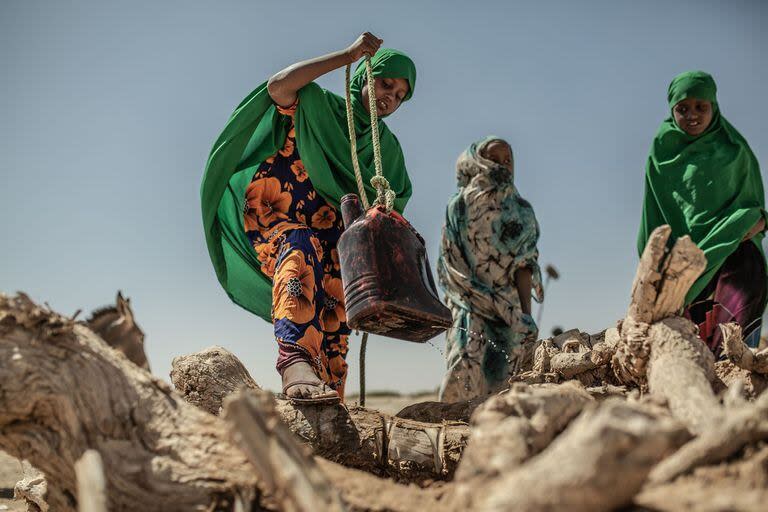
490, 232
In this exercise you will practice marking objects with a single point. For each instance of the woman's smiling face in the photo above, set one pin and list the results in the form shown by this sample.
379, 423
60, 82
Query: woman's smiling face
693, 115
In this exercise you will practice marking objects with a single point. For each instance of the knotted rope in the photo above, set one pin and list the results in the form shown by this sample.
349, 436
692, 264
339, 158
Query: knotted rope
385, 196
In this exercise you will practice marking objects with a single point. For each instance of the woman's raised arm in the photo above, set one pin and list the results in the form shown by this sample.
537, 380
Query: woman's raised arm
284, 86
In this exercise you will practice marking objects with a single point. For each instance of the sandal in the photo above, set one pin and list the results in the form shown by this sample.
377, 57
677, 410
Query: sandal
320, 400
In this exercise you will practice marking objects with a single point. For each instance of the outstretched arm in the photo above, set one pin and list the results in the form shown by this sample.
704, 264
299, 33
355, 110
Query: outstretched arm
284, 86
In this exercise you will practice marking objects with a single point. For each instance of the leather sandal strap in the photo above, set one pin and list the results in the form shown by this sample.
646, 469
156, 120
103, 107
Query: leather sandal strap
305, 383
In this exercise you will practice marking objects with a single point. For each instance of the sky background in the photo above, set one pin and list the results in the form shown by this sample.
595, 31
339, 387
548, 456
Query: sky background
108, 112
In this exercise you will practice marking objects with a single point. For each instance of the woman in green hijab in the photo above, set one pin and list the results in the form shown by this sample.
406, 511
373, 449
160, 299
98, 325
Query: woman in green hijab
703, 180
270, 198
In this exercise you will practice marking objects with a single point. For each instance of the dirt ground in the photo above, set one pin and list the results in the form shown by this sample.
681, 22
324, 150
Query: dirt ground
392, 404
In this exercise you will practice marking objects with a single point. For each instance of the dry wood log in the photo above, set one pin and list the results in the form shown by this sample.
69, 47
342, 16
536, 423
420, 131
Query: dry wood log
681, 370
289, 474
661, 351
741, 485
598, 463
536, 367
378, 443
437, 412
664, 353
32, 489
728, 375
512, 426
606, 391
356, 437
658, 292
363, 492
571, 364
64, 391
205, 378
738, 427
740, 354
570, 355
91, 484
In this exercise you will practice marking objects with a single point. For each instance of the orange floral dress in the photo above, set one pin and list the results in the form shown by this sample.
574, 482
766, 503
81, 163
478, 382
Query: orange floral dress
294, 232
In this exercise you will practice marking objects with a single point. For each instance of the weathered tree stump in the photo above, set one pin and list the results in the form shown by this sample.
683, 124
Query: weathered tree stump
290, 475
663, 353
64, 391
205, 378
658, 292
598, 464
355, 437
729, 375
513, 426
740, 354
570, 355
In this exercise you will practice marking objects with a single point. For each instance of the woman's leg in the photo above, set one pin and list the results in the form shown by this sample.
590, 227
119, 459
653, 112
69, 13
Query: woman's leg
501, 351
297, 297
336, 347
741, 291
465, 347
333, 319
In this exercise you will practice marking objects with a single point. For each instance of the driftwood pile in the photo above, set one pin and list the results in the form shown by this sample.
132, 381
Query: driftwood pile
639, 416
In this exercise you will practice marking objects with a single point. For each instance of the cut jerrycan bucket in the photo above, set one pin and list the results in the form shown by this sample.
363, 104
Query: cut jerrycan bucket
388, 284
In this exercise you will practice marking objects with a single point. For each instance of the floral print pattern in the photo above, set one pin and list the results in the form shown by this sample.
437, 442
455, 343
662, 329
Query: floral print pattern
294, 289
265, 203
333, 314
301, 258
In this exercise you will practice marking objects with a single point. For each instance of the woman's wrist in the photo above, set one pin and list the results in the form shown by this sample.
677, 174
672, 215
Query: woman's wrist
349, 57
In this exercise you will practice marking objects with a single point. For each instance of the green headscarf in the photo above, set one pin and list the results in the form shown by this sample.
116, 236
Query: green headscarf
706, 186
256, 130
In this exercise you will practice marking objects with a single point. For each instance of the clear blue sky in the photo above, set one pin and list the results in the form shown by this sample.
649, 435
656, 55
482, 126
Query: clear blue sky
109, 111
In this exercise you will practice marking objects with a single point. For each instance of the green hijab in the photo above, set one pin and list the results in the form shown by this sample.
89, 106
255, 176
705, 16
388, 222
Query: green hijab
707, 186
256, 130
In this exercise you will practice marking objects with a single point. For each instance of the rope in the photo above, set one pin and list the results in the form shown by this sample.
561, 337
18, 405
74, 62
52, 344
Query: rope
385, 196
353, 144
363, 344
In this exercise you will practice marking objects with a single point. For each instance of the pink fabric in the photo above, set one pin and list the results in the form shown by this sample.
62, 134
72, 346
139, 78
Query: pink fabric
290, 353
737, 293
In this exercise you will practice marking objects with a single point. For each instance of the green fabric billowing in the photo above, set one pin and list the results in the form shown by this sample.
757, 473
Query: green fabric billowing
256, 130
707, 186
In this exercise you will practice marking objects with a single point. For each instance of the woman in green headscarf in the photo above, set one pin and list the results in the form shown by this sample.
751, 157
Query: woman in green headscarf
270, 198
703, 180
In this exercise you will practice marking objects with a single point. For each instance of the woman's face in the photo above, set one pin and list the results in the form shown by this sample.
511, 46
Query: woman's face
693, 115
499, 152
390, 93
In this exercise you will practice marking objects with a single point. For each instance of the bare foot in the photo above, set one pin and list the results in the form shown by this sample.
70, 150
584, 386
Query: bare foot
302, 372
